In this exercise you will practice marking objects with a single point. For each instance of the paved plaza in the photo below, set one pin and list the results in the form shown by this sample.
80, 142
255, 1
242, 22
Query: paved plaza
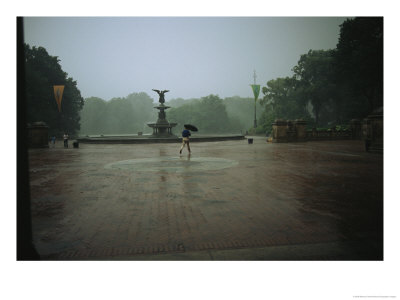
228, 200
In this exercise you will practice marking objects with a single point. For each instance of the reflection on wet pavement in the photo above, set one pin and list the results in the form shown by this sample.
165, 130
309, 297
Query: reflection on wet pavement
172, 164
110, 200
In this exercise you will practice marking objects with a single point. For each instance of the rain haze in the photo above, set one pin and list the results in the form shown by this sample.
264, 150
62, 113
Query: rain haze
191, 56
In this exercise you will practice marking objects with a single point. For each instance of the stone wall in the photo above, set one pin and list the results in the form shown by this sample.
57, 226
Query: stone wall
370, 130
284, 131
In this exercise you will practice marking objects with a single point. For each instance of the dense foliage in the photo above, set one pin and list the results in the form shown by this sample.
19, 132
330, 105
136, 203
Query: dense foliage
129, 115
241, 110
282, 100
42, 73
208, 113
359, 64
331, 87
117, 116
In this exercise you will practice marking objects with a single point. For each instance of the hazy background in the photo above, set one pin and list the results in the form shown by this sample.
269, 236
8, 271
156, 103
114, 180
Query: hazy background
191, 56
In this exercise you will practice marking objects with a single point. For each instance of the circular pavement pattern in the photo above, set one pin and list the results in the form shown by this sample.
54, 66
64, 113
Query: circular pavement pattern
173, 164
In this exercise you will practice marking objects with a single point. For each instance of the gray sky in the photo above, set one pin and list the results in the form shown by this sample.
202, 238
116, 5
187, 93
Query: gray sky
192, 57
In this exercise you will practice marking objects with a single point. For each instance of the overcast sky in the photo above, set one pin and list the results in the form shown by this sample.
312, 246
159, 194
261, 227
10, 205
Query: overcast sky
192, 57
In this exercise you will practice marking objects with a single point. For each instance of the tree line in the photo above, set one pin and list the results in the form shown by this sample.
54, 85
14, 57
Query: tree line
327, 88
331, 87
118, 116
128, 115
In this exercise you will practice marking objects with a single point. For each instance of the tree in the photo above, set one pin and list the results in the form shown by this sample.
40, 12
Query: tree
358, 64
279, 94
314, 75
241, 112
338, 85
143, 111
42, 73
176, 102
185, 114
283, 99
213, 114
93, 116
208, 114
117, 116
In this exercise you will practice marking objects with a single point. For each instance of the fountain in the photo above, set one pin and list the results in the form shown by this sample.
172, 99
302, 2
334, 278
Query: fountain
162, 128
162, 132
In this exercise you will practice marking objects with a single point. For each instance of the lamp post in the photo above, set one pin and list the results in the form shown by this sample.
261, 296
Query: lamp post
256, 91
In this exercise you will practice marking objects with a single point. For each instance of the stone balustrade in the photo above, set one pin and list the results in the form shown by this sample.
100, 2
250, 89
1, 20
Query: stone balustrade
370, 130
289, 131
373, 131
328, 134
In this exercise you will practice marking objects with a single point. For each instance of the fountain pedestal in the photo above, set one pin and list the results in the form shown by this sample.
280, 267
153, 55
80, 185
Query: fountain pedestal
162, 128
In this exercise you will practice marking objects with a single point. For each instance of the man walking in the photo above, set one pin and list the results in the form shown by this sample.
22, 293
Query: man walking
185, 140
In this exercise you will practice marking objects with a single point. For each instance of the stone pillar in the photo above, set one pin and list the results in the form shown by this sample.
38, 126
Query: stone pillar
38, 134
300, 127
355, 126
279, 130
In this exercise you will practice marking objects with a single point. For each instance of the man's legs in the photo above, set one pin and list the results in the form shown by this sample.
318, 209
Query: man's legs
183, 145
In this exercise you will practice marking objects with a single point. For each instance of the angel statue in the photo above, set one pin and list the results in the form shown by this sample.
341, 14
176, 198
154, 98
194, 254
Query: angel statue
161, 94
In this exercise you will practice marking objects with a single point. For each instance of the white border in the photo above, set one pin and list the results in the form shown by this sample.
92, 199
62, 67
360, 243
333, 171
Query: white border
198, 280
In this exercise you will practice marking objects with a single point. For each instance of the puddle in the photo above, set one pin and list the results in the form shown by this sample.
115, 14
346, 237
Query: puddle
173, 164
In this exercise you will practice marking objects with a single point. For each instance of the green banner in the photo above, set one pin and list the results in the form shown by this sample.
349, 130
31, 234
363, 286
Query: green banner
256, 90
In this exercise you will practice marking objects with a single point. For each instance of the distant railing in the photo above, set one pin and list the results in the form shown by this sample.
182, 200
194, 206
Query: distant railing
295, 131
329, 134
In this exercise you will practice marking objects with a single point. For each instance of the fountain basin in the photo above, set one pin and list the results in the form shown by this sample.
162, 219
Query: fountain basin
150, 139
161, 129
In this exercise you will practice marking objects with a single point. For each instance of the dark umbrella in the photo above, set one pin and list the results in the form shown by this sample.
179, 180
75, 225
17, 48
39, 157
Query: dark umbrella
190, 127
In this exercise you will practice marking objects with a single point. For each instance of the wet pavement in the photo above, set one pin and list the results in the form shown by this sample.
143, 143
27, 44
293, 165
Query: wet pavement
228, 200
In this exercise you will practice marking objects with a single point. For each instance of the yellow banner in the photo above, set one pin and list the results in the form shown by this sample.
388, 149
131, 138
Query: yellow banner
58, 93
